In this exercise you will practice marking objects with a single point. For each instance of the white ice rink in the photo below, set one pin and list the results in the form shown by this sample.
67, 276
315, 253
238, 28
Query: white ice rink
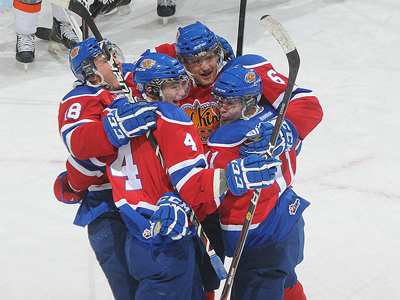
348, 168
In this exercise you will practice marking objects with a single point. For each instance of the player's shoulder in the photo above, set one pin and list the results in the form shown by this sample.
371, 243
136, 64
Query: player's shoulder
172, 113
127, 68
247, 60
235, 133
82, 91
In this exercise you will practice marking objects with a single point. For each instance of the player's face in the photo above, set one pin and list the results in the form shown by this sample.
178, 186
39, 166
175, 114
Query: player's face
230, 111
104, 68
203, 69
175, 91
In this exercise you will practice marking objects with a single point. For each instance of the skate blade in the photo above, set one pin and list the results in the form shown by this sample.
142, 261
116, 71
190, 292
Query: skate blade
123, 10
26, 66
57, 48
165, 21
120, 11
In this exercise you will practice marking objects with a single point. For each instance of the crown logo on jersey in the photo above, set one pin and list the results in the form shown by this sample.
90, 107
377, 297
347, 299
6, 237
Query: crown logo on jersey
147, 63
250, 77
74, 52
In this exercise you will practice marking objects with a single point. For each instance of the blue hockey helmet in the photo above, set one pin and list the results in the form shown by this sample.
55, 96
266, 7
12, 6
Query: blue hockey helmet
82, 54
196, 40
238, 83
154, 70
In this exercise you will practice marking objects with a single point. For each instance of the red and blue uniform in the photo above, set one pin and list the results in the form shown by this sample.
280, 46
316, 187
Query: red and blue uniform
82, 132
275, 241
139, 180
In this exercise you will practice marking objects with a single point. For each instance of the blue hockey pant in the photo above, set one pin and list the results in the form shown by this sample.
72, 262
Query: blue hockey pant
107, 237
264, 273
170, 274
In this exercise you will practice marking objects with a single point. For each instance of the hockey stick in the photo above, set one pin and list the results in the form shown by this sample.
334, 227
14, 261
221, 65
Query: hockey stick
242, 15
284, 40
79, 9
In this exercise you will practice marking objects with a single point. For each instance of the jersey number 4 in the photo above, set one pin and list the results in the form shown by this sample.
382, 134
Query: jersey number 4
125, 167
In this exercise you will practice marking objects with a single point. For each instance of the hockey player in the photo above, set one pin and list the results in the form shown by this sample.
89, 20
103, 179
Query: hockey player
205, 56
275, 241
26, 13
198, 41
141, 186
86, 181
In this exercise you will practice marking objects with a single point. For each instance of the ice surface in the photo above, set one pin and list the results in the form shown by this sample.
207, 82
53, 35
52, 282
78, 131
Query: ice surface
349, 57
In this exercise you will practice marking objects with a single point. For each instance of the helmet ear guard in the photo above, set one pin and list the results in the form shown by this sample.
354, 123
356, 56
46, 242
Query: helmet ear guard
87, 68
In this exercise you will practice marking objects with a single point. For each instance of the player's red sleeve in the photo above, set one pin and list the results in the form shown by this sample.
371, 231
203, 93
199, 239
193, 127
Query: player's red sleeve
305, 114
90, 140
81, 178
304, 109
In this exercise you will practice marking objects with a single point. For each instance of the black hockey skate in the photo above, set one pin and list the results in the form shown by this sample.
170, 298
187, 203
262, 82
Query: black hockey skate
25, 48
166, 8
62, 32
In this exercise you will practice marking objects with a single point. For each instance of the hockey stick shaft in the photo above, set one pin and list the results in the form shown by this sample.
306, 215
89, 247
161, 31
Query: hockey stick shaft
284, 40
242, 16
80, 9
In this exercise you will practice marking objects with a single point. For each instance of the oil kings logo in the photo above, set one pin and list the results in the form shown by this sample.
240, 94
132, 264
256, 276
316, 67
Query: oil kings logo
250, 77
203, 118
147, 63
294, 206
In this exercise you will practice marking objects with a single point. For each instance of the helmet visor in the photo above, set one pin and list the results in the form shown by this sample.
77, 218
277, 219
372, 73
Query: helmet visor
116, 52
175, 89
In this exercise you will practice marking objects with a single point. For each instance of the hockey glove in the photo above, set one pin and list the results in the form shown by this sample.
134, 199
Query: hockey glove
170, 218
130, 120
252, 172
64, 192
258, 139
228, 51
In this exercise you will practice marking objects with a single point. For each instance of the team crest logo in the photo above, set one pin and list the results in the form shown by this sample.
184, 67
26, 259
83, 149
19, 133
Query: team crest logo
147, 233
147, 63
250, 77
204, 116
75, 52
294, 206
